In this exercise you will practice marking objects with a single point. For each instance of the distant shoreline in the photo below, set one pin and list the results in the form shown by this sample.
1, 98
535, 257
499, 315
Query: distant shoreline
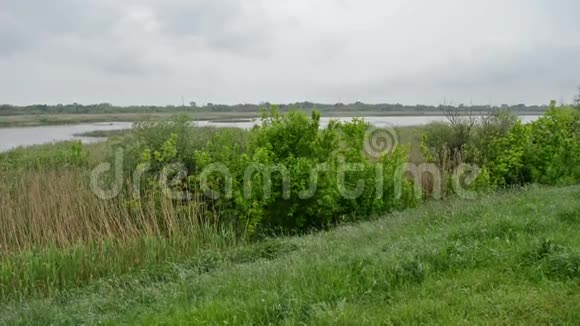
67, 119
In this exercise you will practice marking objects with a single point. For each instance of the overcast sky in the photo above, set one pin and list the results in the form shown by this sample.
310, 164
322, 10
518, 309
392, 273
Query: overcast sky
405, 51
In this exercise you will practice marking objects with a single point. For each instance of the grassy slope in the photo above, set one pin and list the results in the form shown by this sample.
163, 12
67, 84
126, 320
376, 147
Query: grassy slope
512, 257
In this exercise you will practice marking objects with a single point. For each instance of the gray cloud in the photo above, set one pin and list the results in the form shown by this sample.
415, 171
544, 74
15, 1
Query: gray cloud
228, 26
419, 51
12, 39
198, 18
33, 21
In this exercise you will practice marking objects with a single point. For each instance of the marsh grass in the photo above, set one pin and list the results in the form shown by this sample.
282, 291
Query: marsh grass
55, 233
57, 207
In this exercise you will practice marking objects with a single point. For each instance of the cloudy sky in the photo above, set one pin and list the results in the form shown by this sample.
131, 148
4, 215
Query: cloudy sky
220, 51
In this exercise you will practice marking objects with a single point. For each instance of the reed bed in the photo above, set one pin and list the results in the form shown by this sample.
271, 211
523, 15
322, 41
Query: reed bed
56, 233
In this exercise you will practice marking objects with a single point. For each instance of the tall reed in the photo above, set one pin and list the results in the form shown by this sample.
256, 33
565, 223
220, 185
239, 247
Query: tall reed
55, 232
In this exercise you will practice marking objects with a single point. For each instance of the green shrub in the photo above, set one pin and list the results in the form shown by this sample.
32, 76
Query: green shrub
444, 145
509, 152
287, 177
158, 144
505, 156
166, 141
554, 152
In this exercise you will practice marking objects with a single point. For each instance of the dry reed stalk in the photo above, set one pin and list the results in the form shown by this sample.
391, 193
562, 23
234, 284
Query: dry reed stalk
57, 208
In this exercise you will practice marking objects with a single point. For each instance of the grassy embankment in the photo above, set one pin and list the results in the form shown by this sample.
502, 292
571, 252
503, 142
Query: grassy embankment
513, 257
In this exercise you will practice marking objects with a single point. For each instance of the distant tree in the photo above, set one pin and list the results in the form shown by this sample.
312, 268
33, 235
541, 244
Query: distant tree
577, 99
462, 121
76, 108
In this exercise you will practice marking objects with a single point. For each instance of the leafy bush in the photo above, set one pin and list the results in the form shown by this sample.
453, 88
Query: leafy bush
554, 151
505, 154
447, 146
159, 144
287, 177
509, 152
167, 141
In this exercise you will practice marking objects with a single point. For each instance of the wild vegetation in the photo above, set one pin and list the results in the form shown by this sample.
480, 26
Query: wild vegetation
507, 152
508, 258
168, 203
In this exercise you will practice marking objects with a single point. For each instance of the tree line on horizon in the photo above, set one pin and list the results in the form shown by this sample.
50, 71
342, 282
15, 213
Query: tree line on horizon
76, 108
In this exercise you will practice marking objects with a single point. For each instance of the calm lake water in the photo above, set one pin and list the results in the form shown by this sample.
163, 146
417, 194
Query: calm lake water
25, 136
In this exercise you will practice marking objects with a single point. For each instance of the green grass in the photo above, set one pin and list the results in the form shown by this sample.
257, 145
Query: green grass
48, 270
513, 257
